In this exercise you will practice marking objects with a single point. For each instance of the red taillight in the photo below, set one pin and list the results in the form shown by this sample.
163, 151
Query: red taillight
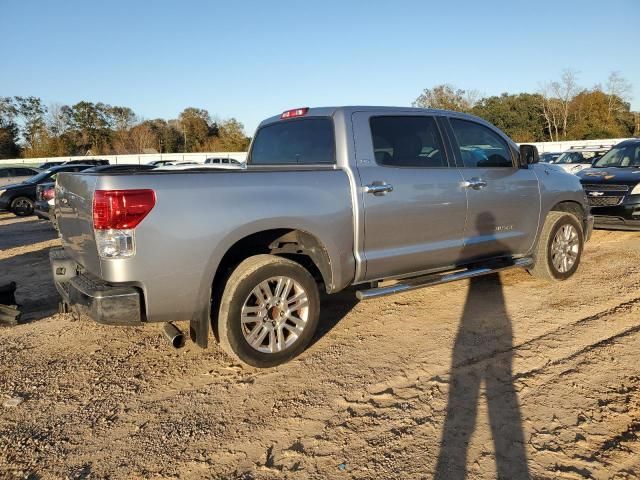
48, 193
296, 112
119, 209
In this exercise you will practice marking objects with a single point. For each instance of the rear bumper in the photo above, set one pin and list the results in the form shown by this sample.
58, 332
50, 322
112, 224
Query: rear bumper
103, 302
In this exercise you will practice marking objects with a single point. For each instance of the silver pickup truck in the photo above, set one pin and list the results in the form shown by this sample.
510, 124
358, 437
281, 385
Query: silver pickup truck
383, 199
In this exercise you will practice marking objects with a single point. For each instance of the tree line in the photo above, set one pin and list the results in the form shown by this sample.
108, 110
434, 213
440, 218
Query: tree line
30, 129
559, 110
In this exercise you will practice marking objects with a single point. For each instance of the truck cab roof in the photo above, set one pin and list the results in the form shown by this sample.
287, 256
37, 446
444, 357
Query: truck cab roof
347, 110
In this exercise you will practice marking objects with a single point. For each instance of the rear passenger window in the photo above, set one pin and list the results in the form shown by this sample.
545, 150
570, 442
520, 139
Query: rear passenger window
480, 146
303, 141
407, 141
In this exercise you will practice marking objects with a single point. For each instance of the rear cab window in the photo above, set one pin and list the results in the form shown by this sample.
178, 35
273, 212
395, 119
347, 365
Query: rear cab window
304, 141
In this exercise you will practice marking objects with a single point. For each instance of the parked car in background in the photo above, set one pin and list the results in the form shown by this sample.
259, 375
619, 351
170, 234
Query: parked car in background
47, 165
549, 157
122, 168
87, 161
612, 186
578, 158
172, 163
201, 166
223, 161
20, 198
9, 175
331, 197
162, 163
45, 192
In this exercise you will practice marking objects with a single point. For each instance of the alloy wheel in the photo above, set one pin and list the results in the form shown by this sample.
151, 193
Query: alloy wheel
275, 314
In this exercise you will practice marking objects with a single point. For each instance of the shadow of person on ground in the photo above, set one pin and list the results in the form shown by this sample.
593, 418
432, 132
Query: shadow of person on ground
483, 355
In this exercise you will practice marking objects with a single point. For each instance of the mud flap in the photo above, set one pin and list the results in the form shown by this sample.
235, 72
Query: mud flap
199, 328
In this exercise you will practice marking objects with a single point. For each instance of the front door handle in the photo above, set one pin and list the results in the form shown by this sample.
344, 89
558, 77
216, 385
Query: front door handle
475, 183
378, 188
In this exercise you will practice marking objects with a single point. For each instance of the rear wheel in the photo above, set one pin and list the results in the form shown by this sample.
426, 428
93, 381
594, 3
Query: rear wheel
22, 206
559, 248
269, 311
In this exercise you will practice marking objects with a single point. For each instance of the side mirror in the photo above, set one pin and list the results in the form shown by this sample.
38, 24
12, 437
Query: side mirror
528, 155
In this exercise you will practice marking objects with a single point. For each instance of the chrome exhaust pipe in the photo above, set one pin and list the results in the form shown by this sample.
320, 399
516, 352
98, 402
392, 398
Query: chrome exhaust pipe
173, 334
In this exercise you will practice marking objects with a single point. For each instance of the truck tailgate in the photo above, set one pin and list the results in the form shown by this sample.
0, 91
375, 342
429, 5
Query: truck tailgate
74, 213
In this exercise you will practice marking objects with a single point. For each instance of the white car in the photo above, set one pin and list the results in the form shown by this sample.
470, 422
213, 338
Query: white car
10, 175
224, 161
163, 163
578, 158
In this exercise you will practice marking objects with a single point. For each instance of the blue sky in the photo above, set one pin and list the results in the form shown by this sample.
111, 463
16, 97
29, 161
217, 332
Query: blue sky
253, 59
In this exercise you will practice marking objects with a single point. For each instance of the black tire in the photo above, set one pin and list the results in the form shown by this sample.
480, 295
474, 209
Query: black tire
22, 206
240, 289
544, 267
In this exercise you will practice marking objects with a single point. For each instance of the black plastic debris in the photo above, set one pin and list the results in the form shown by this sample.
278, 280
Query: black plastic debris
9, 311
8, 294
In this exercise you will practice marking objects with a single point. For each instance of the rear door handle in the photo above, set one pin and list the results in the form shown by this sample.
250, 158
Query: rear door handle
378, 189
475, 183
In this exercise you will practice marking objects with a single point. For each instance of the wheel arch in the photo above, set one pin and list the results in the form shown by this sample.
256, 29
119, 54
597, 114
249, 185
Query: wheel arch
577, 209
570, 206
288, 242
296, 244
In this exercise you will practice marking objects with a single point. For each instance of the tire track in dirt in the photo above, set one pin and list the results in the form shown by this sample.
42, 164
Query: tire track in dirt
412, 406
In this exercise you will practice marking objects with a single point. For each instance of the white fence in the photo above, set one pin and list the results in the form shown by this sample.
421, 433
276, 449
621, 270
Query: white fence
567, 144
134, 159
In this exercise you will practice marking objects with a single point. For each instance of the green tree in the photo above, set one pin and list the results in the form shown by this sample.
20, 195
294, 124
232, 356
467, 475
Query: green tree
520, 116
170, 134
92, 124
592, 117
122, 118
8, 128
230, 138
447, 97
196, 127
32, 114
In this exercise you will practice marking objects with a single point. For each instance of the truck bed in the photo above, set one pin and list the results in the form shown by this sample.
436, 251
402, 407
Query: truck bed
197, 217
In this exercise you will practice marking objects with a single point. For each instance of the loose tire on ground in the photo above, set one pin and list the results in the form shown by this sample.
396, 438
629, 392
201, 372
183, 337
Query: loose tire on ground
286, 318
22, 206
557, 236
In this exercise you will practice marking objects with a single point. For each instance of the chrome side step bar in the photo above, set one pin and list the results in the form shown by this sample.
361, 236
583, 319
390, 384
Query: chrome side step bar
439, 279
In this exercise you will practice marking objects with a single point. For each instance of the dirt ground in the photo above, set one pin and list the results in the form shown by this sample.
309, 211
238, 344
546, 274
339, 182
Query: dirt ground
500, 377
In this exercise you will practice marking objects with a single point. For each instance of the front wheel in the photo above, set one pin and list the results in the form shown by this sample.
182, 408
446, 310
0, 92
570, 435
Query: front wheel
22, 206
269, 311
559, 248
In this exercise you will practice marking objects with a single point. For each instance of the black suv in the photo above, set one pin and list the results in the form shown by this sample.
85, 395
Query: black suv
20, 198
612, 186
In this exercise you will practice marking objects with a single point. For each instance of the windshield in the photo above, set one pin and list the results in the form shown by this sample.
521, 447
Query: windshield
621, 157
568, 158
39, 177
